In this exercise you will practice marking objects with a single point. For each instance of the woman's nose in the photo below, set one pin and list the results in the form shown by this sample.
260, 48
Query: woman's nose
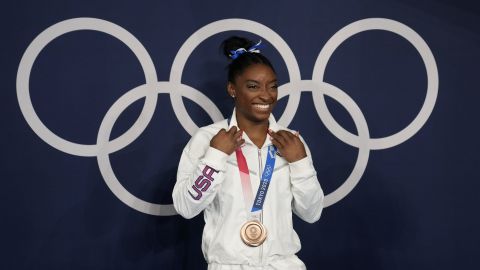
265, 94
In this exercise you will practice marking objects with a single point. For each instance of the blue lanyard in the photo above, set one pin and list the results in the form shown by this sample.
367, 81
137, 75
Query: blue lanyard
266, 178
264, 181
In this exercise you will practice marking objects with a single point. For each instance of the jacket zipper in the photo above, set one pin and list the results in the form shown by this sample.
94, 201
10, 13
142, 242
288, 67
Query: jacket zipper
261, 213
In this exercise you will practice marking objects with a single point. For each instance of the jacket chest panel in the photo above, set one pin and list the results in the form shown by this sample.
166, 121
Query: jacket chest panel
279, 187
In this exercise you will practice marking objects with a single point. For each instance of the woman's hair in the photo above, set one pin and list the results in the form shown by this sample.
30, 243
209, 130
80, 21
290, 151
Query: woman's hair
244, 57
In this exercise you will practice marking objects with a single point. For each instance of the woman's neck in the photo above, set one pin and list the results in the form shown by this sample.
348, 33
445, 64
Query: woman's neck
256, 131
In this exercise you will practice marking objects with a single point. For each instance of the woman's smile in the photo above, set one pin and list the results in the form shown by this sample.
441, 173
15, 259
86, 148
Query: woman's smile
262, 107
255, 92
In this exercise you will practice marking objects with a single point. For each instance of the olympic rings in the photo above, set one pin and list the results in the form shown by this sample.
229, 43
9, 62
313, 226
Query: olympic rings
428, 60
152, 88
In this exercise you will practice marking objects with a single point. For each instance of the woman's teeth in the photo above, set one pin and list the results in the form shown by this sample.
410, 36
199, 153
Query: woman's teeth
261, 106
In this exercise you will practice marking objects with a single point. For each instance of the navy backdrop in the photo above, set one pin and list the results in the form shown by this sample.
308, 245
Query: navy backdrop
415, 205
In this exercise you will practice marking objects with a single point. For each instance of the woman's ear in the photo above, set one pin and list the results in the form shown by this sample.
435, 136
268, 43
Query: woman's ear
231, 90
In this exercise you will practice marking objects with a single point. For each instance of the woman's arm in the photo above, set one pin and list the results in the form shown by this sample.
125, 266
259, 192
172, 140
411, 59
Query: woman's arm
307, 194
200, 173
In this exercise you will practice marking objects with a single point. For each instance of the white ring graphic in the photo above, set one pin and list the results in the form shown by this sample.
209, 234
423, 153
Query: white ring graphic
230, 25
106, 127
360, 123
177, 90
31, 54
430, 65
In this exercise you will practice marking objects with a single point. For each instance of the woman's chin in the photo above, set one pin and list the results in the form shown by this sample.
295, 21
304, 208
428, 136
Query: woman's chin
261, 117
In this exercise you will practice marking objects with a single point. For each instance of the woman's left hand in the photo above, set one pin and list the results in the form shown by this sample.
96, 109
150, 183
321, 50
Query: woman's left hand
288, 144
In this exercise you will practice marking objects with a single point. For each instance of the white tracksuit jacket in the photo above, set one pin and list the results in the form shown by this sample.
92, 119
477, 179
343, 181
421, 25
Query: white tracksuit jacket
208, 180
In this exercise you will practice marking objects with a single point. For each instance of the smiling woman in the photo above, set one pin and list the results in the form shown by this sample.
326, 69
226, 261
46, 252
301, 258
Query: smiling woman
255, 94
243, 232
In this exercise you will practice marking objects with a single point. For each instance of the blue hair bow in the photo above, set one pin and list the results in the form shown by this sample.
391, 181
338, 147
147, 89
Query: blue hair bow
254, 49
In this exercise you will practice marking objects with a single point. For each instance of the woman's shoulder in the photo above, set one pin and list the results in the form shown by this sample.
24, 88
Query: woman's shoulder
294, 131
213, 129
209, 131
201, 138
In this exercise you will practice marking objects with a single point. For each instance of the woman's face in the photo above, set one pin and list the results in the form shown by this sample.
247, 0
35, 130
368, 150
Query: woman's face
255, 92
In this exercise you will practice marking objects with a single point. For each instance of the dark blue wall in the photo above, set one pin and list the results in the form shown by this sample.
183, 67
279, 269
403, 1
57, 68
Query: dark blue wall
415, 206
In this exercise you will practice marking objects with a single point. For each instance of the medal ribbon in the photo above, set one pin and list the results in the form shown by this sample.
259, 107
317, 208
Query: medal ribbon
264, 182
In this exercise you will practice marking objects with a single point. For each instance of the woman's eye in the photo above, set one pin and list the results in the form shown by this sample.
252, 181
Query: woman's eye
274, 87
251, 86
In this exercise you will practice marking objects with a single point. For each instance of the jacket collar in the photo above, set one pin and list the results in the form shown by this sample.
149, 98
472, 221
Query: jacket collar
272, 124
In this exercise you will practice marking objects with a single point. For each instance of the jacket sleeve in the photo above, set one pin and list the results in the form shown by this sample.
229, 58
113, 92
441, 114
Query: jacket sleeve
307, 194
200, 174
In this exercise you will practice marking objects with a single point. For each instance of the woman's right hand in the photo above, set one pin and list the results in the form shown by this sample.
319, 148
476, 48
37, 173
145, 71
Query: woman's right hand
227, 141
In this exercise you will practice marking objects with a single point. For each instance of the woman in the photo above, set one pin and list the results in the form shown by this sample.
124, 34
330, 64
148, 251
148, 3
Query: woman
228, 168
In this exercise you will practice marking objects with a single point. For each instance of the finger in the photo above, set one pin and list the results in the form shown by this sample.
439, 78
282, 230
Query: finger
232, 130
280, 137
297, 137
239, 143
287, 135
238, 135
272, 134
239, 132
277, 143
294, 136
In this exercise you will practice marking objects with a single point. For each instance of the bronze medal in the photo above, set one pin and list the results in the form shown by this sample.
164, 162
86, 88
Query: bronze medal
253, 233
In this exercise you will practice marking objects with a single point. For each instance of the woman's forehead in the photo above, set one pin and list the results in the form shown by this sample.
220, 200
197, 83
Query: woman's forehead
258, 73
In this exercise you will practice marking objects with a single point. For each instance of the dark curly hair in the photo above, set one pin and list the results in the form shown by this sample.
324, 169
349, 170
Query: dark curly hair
237, 66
